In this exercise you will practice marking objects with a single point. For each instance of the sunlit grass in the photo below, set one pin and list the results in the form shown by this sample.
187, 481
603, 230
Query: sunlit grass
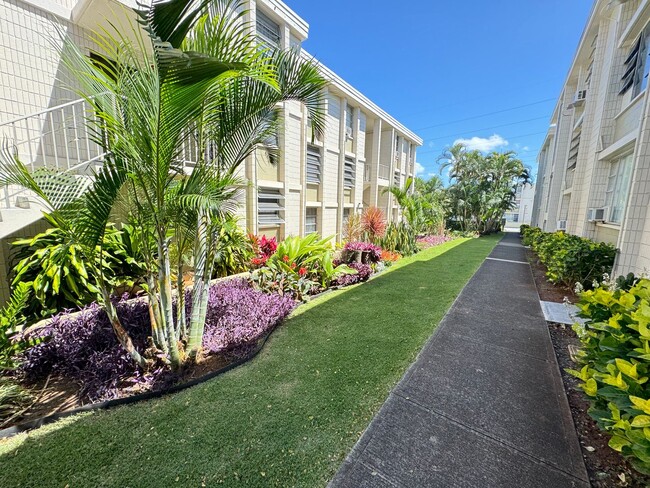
287, 418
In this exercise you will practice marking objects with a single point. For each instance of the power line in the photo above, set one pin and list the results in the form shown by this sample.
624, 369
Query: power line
486, 114
488, 128
510, 138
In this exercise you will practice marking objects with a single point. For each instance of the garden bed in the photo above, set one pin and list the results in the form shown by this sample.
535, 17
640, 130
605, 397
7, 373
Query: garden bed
606, 467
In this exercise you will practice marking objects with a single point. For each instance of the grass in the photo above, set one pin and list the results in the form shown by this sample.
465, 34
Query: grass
287, 418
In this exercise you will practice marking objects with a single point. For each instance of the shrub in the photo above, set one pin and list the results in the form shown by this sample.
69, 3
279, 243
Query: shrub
353, 228
263, 249
425, 242
234, 250
399, 238
60, 278
83, 347
615, 366
570, 259
373, 221
374, 252
390, 257
363, 272
299, 267
12, 321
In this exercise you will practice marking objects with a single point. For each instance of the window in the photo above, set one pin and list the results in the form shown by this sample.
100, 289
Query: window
311, 220
573, 148
618, 188
267, 30
396, 178
348, 121
313, 166
637, 66
346, 214
349, 173
398, 141
269, 207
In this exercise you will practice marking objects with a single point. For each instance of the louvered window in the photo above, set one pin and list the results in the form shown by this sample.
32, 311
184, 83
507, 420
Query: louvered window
270, 205
267, 30
573, 149
396, 178
636, 64
311, 220
313, 165
349, 173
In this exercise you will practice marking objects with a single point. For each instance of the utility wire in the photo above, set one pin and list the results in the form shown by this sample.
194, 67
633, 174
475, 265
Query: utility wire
487, 128
509, 138
488, 113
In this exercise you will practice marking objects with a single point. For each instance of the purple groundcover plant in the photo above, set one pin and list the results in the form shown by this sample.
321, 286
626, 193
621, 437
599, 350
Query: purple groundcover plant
363, 273
239, 315
84, 349
432, 240
375, 251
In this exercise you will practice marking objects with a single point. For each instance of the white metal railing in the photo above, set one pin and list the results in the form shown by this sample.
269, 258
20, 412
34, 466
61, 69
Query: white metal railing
384, 171
56, 138
59, 138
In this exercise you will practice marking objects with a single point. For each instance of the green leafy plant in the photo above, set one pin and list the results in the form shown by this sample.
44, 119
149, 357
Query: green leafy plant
12, 321
299, 266
570, 259
233, 249
615, 366
59, 275
400, 238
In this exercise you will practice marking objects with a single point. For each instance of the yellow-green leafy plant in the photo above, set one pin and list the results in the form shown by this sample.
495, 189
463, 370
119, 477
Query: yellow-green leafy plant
615, 365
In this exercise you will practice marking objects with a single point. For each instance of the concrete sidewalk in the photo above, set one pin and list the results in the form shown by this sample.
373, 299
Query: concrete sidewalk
483, 405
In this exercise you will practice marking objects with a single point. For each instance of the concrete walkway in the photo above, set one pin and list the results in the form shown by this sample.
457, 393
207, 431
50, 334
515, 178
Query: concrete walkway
483, 405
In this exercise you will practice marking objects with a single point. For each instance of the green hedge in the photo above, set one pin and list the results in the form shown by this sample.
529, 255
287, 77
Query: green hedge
615, 365
570, 259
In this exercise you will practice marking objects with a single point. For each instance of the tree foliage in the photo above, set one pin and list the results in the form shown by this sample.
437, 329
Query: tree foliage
482, 187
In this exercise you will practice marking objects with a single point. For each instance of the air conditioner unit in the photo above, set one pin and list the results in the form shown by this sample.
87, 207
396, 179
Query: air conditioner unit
597, 214
561, 225
581, 96
348, 132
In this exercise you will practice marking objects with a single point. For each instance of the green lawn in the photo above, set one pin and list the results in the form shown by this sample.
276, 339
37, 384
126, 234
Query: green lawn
287, 418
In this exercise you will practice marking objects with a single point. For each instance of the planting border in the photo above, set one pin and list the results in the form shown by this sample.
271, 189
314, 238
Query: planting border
48, 419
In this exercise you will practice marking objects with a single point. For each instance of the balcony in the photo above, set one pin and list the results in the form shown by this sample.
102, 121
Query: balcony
384, 171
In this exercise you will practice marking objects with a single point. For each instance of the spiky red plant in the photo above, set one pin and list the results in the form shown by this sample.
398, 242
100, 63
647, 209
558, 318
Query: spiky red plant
374, 222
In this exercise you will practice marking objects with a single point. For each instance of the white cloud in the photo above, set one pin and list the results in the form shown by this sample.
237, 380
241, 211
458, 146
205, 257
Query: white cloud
431, 144
483, 144
526, 148
419, 169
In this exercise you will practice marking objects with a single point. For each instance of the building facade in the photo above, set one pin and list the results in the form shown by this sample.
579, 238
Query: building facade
594, 164
312, 187
522, 210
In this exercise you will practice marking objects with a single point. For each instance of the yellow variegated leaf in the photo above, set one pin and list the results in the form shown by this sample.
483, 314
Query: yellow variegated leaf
627, 300
640, 404
613, 321
641, 421
626, 368
617, 443
590, 387
616, 413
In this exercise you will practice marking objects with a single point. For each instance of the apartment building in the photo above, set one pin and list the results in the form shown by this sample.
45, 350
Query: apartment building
312, 187
522, 210
594, 164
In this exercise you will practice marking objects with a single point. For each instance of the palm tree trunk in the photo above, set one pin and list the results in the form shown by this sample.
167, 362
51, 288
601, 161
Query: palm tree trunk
165, 288
121, 333
181, 326
155, 316
199, 291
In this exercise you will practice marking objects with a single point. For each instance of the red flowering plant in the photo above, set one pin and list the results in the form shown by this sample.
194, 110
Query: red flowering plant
263, 248
300, 266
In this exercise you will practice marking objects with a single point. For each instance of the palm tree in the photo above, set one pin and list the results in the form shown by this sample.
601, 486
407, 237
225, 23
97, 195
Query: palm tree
202, 82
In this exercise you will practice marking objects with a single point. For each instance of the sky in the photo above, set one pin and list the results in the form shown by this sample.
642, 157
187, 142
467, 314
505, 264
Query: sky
487, 73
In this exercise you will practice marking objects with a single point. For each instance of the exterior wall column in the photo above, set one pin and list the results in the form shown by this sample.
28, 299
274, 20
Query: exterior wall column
374, 163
